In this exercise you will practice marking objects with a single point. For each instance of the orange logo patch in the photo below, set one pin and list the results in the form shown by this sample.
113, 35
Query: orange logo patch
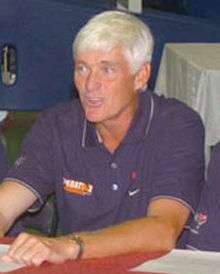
77, 187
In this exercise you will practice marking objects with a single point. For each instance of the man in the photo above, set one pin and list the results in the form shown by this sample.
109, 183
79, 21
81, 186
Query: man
126, 166
204, 230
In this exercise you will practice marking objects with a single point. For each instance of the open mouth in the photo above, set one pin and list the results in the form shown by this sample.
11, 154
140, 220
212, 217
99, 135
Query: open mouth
94, 102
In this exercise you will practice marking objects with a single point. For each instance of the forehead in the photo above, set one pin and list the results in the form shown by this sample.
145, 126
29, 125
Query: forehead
114, 56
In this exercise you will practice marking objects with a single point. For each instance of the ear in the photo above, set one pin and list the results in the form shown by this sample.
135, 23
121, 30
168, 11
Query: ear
142, 76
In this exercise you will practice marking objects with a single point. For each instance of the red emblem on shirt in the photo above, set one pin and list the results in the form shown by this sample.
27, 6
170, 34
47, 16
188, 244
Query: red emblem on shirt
133, 174
200, 218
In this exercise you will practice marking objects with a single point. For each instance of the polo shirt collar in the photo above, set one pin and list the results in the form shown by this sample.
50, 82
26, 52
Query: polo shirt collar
89, 136
142, 120
138, 130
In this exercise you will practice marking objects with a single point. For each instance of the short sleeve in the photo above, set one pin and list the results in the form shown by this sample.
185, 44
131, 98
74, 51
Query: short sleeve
178, 171
204, 229
213, 173
34, 166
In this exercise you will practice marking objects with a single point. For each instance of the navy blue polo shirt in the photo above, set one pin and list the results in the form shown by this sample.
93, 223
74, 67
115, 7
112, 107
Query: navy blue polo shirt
204, 231
160, 156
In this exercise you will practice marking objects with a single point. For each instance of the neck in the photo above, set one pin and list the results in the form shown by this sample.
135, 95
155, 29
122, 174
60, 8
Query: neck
113, 131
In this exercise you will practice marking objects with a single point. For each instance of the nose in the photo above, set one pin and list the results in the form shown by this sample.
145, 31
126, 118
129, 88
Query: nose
93, 82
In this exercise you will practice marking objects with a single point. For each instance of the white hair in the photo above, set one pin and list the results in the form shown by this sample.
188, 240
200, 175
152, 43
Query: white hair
110, 29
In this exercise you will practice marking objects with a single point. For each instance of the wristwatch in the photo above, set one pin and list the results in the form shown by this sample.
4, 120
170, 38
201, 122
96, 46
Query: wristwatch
80, 243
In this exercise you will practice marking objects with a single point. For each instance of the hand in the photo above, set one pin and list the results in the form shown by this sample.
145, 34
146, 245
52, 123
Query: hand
34, 250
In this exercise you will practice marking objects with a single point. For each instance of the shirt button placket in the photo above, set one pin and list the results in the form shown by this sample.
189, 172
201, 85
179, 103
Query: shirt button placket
114, 165
114, 186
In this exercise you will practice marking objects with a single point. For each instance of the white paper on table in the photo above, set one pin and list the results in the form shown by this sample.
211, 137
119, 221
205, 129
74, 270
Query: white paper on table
183, 262
5, 267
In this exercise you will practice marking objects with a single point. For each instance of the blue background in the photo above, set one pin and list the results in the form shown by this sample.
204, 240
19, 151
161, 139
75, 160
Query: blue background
42, 32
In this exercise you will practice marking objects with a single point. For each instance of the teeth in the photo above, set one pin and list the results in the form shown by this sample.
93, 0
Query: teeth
94, 101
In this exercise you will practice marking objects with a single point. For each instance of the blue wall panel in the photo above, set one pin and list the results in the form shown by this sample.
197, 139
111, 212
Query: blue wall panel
203, 8
42, 32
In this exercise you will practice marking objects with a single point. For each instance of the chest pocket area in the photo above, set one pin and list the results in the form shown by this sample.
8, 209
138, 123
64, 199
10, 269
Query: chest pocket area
78, 194
83, 197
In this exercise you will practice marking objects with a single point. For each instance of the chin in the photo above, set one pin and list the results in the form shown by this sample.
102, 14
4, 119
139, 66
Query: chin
94, 118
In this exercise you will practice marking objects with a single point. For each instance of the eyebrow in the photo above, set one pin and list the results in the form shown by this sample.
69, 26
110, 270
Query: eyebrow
103, 62
79, 62
113, 64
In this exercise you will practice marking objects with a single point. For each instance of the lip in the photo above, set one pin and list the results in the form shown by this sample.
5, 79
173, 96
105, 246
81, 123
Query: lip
93, 102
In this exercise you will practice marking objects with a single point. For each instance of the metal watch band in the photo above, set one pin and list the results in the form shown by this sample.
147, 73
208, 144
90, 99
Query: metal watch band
78, 241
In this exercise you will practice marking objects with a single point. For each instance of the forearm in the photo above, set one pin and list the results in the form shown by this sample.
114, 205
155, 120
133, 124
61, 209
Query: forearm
4, 225
146, 234
14, 200
156, 232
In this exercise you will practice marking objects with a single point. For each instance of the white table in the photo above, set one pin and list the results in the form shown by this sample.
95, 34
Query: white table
191, 73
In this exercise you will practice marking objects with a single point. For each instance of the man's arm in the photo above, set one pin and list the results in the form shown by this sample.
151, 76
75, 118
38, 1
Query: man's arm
14, 200
158, 231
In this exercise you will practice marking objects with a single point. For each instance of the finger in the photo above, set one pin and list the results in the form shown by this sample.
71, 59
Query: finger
38, 259
6, 259
28, 256
23, 245
17, 243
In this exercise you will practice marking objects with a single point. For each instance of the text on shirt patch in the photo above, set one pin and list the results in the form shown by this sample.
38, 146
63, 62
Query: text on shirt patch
77, 187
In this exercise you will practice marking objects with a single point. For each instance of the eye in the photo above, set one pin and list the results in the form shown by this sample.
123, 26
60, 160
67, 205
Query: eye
108, 70
82, 69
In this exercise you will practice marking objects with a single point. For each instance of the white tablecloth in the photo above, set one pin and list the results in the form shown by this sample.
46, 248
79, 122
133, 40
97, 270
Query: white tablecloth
191, 73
